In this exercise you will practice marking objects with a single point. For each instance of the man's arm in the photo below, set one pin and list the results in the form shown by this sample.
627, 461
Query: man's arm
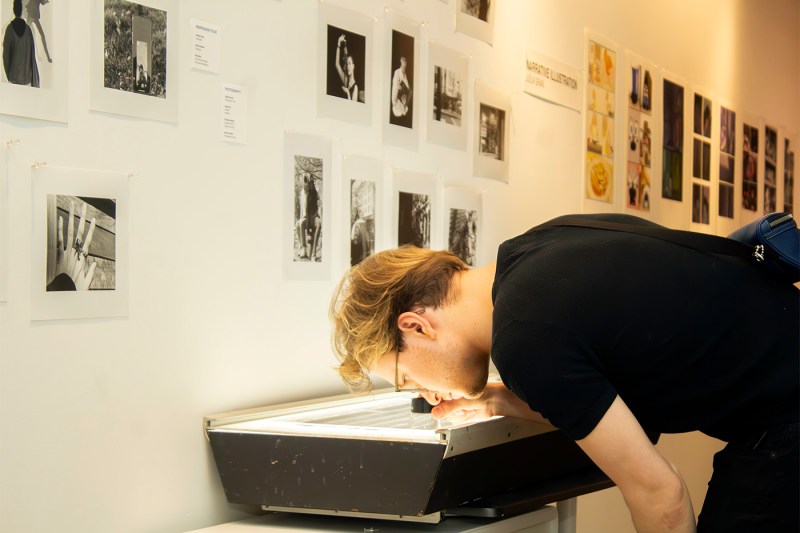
652, 487
496, 400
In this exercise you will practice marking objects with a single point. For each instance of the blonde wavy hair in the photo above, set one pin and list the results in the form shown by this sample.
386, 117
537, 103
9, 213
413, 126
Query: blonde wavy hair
373, 294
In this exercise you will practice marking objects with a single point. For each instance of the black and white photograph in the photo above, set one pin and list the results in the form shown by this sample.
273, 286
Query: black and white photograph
475, 18
414, 219
26, 56
490, 133
135, 48
462, 239
362, 219
308, 188
447, 99
81, 247
79, 253
362, 209
476, 8
415, 209
346, 72
401, 86
462, 208
447, 104
307, 238
134, 58
33, 77
400, 101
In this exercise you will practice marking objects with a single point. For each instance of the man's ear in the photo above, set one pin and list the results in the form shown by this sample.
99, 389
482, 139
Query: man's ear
411, 323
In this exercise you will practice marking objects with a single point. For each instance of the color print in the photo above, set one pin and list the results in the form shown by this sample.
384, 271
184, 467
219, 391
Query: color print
600, 98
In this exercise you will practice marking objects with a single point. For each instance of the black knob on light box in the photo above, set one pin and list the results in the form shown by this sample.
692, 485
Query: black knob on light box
420, 405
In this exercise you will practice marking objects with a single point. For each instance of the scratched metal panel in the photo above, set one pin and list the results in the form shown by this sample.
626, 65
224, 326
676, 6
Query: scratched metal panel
500, 468
338, 474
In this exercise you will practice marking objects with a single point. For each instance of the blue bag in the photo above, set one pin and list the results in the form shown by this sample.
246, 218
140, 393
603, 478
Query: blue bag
774, 240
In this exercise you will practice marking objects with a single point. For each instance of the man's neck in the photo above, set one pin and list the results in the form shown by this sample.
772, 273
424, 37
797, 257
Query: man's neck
473, 306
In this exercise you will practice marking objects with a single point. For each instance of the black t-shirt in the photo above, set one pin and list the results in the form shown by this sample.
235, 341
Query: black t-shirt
689, 340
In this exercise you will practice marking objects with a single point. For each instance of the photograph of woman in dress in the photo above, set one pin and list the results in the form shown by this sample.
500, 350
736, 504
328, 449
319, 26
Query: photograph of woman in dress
346, 54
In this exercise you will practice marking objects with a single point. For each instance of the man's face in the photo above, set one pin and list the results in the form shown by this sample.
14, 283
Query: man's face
440, 368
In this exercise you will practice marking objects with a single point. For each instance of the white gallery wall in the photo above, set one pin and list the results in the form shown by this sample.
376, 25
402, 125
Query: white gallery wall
101, 419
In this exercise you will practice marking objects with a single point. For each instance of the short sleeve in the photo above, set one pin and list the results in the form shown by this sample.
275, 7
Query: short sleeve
555, 372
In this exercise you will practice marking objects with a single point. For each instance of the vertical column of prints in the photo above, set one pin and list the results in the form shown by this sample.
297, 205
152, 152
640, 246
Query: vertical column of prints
770, 170
600, 101
749, 167
727, 162
638, 181
701, 160
788, 176
672, 160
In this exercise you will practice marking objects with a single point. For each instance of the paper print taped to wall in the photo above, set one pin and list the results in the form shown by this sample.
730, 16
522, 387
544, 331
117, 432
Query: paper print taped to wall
306, 234
600, 120
362, 178
33, 78
491, 146
135, 48
446, 122
80, 241
672, 158
415, 210
727, 162
770, 170
639, 99
308, 188
463, 208
476, 18
401, 99
344, 73
133, 58
701, 160
749, 167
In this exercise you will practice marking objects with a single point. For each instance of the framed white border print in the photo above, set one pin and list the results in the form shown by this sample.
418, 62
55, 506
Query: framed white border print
79, 263
401, 99
344, 57
491, 145
415, 210
463, 212
307, 206
476, 18
39, 92
447, 109
363, 208
133, 60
